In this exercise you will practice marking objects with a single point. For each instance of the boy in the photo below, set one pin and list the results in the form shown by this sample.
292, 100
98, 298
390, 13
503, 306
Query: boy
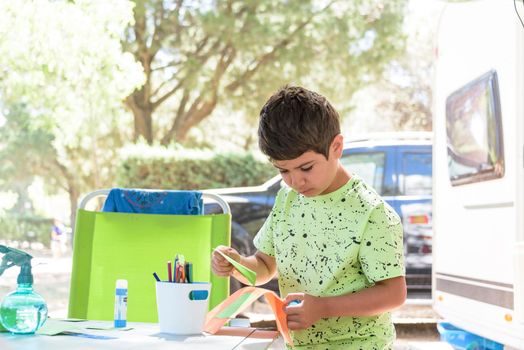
337, 246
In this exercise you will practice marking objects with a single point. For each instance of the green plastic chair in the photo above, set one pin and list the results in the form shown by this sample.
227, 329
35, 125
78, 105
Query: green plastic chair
111, 246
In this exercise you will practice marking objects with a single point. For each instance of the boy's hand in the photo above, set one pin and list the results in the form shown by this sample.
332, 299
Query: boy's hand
302, 313
219, 265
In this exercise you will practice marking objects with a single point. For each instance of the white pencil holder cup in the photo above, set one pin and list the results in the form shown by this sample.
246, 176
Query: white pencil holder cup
182, 307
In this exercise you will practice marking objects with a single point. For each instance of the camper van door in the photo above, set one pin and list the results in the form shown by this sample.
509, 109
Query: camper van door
478, 160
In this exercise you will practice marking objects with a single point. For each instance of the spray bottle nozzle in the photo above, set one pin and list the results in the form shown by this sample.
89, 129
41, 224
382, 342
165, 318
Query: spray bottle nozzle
14, 257
22, 311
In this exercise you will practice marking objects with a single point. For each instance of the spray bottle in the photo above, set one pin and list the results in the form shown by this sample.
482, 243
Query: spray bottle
22, 311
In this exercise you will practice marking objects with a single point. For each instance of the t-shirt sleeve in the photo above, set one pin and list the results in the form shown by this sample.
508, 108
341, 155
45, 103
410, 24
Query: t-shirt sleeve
381, 249
263, 240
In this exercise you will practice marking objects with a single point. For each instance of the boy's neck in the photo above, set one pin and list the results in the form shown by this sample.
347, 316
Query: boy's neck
341, 178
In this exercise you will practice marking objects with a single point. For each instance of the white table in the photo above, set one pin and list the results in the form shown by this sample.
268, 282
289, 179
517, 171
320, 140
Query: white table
141, 336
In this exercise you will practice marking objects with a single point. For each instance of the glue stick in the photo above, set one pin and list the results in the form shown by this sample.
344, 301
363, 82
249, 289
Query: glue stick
120, 303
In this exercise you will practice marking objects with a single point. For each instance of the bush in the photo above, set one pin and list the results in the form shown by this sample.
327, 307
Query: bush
25, 228
156, 167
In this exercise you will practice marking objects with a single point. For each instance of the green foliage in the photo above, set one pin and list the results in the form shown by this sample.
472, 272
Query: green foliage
18, 136
26, 228
157, 167
64, 76
65, 62
62, 92
236, 53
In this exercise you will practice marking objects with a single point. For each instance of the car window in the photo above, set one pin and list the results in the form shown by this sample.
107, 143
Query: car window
369, 166
415, 177
474, 132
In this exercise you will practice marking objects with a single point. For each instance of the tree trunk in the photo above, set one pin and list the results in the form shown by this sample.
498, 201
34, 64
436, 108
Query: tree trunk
143, 125
142, 112
72, 189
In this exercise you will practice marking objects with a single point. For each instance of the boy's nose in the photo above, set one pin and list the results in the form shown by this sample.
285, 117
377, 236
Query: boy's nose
297, 181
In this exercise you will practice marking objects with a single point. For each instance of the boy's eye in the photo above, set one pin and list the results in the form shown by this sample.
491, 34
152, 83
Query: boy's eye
282, 171
307, 169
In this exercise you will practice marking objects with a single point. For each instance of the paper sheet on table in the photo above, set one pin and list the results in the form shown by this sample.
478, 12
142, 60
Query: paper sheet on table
54, 327
249, 274
109, 328
239, 301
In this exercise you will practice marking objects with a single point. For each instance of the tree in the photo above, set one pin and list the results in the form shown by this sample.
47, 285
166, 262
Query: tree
61, 92
405, 93
197, 55
24, 149
405, 96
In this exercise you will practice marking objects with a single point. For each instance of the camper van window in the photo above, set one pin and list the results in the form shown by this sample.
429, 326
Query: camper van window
369, 166
474, 132
415, 177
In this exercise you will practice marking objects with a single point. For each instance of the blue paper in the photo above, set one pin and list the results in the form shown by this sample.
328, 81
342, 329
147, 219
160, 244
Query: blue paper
90, 336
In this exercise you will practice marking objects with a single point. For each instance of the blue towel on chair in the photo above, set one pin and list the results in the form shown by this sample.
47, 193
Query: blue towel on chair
124, 200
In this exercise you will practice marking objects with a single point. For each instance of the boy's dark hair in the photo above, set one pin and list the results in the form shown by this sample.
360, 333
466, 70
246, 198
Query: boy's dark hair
296, 120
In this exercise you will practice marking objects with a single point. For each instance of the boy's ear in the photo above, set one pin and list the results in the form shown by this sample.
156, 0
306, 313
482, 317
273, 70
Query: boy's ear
337, 145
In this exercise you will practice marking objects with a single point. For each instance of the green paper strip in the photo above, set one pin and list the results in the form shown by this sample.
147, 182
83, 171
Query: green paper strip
230, 310
249, 274
71, 319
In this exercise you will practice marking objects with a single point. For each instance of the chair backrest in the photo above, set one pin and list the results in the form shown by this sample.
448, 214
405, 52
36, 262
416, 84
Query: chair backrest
111, 246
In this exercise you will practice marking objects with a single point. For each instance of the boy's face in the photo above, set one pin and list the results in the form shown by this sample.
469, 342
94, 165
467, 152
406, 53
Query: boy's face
311, 174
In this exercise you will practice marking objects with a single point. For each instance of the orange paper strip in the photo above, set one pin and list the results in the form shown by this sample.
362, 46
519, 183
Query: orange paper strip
214, 323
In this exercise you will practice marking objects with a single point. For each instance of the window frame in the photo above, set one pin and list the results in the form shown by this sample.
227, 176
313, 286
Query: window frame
403, 160
350, 153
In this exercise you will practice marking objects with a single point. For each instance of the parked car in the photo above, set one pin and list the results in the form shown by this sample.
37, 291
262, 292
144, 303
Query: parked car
397, 165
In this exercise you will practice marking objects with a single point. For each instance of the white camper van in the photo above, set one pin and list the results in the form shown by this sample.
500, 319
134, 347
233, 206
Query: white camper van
478, 175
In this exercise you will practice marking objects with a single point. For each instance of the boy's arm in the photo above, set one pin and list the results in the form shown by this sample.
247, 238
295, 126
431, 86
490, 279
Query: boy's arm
384, 296
264, 265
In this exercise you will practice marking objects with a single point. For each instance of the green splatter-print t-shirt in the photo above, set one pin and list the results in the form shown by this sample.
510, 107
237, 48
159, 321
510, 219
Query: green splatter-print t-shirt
335, 244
